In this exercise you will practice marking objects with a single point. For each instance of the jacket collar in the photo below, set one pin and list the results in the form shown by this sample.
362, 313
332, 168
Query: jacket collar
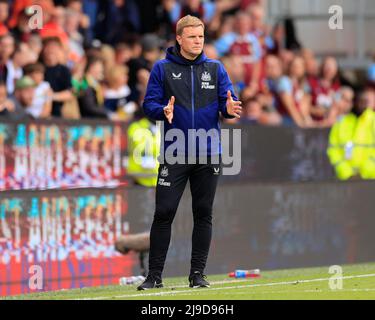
174, 55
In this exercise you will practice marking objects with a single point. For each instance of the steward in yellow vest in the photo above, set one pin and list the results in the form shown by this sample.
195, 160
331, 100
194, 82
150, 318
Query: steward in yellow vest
143, 147
340, 149
364, 144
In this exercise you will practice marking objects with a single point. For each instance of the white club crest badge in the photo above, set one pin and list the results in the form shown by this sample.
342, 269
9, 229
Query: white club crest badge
164, 172
206, 76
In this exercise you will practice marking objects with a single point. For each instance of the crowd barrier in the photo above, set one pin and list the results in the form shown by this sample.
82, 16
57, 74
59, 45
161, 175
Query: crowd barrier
39, 155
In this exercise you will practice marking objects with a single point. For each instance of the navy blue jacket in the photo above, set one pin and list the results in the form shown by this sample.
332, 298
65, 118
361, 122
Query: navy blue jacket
200, 90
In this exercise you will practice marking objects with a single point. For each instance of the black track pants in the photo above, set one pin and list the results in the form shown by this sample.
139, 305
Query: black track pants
172, 180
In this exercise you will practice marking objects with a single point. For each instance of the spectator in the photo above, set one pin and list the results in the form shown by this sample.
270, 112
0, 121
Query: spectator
233, 65
149, 15
341, 137
301, 92
259, 28
83, 19
364, 136
116, 95
345, 99
20, 57
245, 4
255, 113
4, 14
210, 51
59, 16
366, 100
89, 9
108, 55
204, 10
76, 39
312, 68
35, 45
118, 15
245, 44
53, 22
140, 68
90, 95
7, 46
278, 93
143, 146
57, 74
323, 90
226, 26
41, 106
123, 53
23, 98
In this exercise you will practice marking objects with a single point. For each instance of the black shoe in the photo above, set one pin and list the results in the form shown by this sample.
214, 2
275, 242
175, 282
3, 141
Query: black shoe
198, 280
150, 283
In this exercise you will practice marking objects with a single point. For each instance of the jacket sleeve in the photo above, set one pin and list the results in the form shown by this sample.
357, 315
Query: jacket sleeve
153, 102
224, 85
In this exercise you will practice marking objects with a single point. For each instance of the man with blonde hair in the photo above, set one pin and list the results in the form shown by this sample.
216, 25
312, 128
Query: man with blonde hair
187, 92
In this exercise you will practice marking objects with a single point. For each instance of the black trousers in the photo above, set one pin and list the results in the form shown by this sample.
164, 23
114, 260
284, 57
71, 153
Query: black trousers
172, 180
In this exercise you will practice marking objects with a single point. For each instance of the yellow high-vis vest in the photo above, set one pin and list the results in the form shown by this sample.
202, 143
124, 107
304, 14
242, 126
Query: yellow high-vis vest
364, 145
341, 146
143, 147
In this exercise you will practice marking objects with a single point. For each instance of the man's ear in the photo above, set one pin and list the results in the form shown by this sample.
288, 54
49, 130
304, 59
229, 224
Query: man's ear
179, 38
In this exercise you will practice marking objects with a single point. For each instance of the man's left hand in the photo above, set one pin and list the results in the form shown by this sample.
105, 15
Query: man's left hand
233, 107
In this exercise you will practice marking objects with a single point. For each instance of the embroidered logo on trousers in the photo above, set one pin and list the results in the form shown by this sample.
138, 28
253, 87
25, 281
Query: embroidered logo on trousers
164, 172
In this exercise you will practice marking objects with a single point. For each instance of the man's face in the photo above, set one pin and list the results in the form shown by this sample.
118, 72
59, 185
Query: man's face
96, 70
6, 47
25, 96
346, 101
367, 100
273, 67
257, 16
37, 76
243, 24
191, 41
52, 53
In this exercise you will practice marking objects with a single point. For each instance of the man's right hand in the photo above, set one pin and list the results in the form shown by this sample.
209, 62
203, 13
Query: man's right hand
168, 110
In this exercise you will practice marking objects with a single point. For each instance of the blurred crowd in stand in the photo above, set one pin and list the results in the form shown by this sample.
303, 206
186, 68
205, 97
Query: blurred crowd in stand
92, 59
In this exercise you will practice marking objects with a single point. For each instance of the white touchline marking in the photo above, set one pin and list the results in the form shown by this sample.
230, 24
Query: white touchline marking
224, 288
297, 292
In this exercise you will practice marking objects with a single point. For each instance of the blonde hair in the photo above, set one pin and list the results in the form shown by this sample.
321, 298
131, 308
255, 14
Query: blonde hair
107, 53
114, 74
188, 21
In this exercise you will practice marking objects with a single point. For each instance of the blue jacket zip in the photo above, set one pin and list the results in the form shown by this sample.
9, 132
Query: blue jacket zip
192, 95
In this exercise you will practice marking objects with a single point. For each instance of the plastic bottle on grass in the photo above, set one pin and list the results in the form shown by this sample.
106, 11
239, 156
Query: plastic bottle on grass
124, 281
254, 273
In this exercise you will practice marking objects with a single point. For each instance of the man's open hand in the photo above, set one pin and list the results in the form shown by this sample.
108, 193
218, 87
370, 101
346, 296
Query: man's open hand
233, 107
168, 110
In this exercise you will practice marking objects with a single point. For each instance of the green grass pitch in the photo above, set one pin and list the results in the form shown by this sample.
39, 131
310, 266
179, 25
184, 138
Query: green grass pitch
358, 282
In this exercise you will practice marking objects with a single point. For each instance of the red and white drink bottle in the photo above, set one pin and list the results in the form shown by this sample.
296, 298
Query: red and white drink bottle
255, 273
